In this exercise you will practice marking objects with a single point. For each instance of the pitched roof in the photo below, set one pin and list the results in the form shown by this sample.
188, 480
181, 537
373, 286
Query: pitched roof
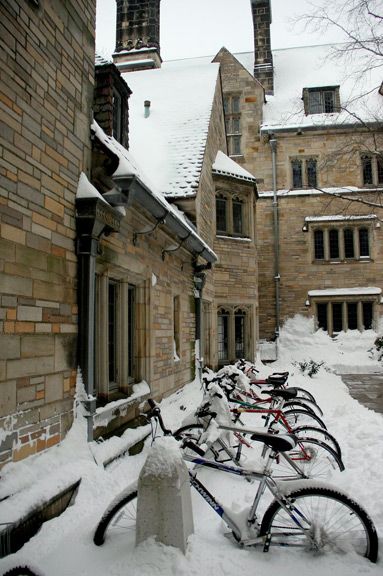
225, 166
169, 144
315, 67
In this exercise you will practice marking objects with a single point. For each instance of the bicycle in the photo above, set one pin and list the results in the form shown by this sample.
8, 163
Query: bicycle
277, 417
316, 518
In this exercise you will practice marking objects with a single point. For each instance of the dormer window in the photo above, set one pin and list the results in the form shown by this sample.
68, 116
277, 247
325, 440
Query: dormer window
321, 100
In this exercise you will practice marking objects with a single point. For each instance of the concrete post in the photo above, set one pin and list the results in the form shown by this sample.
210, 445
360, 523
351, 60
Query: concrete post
164, 508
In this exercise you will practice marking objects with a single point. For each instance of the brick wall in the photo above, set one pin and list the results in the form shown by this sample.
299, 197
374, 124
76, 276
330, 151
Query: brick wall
46, 86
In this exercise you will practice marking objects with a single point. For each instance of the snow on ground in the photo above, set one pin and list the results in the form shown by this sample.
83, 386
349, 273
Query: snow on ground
64, 546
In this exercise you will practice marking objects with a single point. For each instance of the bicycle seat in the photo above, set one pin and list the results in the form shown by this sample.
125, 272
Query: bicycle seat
277, 442
277, 379
285, 394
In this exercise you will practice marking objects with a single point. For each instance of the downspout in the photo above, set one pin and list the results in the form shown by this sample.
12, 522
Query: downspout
199, 282
94, 218
277, 277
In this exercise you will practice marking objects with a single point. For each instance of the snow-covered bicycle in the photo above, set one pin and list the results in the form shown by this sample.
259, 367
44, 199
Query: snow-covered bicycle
315, 517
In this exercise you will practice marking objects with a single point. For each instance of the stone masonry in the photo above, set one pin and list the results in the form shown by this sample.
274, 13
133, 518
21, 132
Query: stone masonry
47, 77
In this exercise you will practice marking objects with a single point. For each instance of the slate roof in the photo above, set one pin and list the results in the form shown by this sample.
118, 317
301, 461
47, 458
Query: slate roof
169, 144
312, 67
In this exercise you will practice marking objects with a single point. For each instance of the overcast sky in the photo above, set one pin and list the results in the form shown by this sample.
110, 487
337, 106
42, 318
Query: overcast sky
201, 27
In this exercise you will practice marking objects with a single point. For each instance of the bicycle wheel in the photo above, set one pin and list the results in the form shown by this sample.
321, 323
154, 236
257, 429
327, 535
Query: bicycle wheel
299, 417
302, 393
221, 451
313, 458
119, 517
20, 571
330, 522
319, 434
303, 404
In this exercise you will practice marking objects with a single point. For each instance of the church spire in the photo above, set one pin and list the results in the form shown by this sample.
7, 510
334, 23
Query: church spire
137, 35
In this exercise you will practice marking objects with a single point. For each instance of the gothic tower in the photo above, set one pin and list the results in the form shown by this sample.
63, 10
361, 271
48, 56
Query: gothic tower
263, 59
137, 35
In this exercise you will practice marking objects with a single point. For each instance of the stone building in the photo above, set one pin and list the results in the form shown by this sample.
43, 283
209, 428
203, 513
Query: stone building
46, 87
158, 216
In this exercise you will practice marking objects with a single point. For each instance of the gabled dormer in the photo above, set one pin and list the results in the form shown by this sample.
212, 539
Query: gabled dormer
321, 100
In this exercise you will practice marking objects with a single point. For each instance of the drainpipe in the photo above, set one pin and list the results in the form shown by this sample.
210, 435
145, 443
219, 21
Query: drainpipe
277, 277
94, 218
199, 282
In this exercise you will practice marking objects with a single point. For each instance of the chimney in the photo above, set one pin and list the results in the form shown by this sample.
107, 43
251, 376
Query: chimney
137, 35
263, 59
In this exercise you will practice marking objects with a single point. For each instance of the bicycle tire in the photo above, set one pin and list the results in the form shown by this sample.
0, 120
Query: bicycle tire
314, 458
299, 417
305, 405
121, 514
319, 434
339, 522
302, 393
20, 571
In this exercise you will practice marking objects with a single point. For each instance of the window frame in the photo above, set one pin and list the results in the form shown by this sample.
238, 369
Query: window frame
123, 325
350, 310
232, 313
302, 178
351, 246
371, 169
321, 93
232, 115
231, 200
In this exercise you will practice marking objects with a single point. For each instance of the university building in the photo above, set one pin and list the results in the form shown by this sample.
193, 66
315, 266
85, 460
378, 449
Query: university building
161, 216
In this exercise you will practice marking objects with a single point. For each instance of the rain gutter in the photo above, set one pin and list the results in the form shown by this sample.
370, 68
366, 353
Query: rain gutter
136, 191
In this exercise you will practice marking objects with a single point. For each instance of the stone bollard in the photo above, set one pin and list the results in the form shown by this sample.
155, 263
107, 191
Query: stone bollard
164, 508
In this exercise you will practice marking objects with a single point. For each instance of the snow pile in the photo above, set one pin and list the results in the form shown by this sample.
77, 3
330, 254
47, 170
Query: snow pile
163, 459
64, 545
349, 352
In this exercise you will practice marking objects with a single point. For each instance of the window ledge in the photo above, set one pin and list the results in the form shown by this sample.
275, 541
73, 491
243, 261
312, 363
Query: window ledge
345, 261
239, 238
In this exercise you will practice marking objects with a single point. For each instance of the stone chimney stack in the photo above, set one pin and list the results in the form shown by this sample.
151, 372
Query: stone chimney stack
263, 59
137, 35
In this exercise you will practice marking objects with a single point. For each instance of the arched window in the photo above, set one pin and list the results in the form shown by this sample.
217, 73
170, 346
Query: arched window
239, 333
223, 335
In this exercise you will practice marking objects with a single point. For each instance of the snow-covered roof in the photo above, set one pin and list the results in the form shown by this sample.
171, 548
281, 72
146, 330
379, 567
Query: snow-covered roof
316, 67
225, 166
169, 144
128, 166
363, 291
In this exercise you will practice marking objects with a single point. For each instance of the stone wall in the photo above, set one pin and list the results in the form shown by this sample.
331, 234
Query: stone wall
46, 88
298, 270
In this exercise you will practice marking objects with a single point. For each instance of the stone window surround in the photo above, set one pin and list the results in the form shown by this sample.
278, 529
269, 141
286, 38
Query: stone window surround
230, 310
335, 223
229, 198
231, 114
321, 90
305, 162
124, 378
376, 174
344, 300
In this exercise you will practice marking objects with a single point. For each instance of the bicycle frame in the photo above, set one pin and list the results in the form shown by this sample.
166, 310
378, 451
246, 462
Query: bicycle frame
265, 482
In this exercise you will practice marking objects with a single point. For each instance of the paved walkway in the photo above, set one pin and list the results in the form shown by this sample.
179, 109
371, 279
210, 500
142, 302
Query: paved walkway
367, 389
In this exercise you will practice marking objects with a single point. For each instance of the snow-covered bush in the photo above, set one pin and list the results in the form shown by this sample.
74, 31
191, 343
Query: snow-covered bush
309, 367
